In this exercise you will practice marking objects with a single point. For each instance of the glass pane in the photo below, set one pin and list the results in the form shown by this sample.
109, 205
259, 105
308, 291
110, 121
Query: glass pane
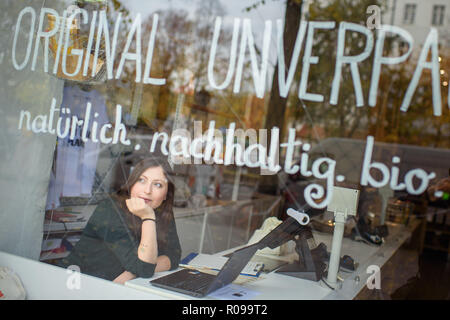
137, 132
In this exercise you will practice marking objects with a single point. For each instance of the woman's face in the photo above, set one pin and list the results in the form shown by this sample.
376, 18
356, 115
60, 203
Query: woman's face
151, 186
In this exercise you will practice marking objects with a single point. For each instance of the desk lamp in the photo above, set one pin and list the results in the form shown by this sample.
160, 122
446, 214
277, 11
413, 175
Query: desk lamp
344, 203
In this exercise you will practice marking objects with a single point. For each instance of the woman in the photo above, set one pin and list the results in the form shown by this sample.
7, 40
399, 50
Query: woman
132, 234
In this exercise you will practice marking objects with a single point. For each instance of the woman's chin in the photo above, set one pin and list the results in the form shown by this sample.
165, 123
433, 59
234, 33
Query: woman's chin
154, 205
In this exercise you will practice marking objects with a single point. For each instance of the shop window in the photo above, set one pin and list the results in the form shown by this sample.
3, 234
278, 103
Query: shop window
250, 109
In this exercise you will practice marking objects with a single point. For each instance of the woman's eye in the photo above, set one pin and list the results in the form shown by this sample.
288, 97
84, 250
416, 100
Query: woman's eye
158, 185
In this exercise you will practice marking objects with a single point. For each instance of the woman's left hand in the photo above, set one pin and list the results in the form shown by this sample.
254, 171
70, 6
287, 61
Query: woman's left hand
139, 208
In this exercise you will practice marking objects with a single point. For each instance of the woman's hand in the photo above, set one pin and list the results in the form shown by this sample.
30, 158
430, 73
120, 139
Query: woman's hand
139, 208
124, 277
148, 247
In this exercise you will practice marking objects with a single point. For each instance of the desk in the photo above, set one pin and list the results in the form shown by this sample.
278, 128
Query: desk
269, 286
367, 255
44, 281
47, 282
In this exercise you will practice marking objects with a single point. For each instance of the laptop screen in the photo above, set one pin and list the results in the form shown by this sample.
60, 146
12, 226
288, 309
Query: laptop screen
234, 266
239, 259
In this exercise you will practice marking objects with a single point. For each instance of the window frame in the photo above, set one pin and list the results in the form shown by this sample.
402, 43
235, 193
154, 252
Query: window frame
409, 15
438, 15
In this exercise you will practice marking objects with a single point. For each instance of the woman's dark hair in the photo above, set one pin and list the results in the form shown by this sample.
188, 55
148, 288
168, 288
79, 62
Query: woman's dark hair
164, 213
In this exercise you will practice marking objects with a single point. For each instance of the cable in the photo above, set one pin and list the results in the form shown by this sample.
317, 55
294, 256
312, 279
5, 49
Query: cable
323, 280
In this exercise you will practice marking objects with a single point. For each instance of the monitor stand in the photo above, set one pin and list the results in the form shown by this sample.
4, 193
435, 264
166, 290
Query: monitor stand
310, 266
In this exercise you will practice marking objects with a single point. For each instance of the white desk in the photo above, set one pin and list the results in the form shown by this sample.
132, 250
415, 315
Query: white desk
275, 286
44, 281
272, 286
367, 255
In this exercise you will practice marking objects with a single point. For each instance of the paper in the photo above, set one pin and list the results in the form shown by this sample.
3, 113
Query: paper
208, 261
217, 262
252, 268
233, 292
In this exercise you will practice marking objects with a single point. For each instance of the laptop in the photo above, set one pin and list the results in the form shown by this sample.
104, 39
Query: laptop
200, 284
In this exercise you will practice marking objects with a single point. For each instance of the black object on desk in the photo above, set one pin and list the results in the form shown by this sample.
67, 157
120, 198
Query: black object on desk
310, 265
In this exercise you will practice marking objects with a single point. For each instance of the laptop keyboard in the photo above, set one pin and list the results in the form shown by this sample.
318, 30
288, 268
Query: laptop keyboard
198, 282
187, 280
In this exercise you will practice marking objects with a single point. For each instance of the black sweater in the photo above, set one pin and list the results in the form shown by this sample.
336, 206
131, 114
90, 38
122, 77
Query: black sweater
108, 247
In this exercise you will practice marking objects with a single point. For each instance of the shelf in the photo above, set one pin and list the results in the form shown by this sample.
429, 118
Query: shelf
83, 213
437, 231
427, 246
438, 228
51, 256
62, 232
